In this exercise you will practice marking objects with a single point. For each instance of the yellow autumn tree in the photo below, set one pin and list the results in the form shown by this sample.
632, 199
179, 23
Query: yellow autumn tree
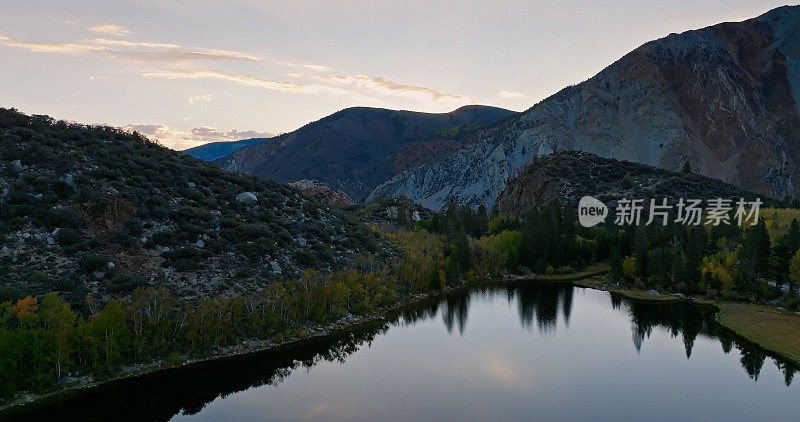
794, 268
629, 266
25, 311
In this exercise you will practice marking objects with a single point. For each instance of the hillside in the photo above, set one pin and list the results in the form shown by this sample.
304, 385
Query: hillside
93, 210
723, 98
356, 149
214, 150
567, 176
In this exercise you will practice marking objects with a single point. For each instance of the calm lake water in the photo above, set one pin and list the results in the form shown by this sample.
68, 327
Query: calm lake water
531, 351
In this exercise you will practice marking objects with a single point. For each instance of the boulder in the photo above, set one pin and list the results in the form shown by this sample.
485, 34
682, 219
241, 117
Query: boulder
246, 198
67, 380
276, 269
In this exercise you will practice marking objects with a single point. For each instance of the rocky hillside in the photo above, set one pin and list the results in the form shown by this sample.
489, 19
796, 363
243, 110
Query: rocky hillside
322, 193
567, 176
96, 210
723, 98
214, 150
356, 149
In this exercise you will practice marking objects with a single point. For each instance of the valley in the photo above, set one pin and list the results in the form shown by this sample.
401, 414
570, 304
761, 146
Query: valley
626, 248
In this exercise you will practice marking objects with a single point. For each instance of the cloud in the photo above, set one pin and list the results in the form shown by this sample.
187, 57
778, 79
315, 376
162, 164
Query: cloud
312, 67
115, 30
198, 98
98, 78
186, 138
178, 56
389, 87
511, 94
503, 371
168, 61
172, 53
244, 79
65, 48
126, 43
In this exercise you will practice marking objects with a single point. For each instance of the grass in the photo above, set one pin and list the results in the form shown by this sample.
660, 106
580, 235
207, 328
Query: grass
772, 329
644, 296
592, 271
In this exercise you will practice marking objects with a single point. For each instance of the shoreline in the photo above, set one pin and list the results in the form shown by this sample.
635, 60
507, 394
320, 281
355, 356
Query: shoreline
228, 352
723, 316
578, 279
726, 314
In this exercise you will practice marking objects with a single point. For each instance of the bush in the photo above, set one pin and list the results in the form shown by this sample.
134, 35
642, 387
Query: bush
61, 189
165, 238
68, 236
64, 217
121, 236
183, 259
124, 283
134, 226
93, 262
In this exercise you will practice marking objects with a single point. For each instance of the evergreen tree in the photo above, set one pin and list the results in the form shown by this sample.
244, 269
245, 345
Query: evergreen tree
785, 249
462, 251
616, 263
640, 247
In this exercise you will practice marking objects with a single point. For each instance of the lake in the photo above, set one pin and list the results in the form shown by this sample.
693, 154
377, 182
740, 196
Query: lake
522, 351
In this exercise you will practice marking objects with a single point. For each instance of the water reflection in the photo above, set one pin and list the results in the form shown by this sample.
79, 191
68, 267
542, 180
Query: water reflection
188, 390
689, 322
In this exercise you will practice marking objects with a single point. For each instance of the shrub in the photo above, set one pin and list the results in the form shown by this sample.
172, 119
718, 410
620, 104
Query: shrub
64, 217
121, 236
61, 189
68, 236
93, 262
124, 283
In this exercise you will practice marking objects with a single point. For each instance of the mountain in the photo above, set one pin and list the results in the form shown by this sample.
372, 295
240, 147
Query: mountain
214, 150
356, 149
568, 175
723, 98
97, 210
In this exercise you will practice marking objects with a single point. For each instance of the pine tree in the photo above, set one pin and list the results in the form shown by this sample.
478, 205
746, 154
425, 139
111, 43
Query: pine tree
616, 263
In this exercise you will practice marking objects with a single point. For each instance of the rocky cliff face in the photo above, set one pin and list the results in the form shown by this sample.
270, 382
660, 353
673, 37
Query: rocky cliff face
723, 98
356, 149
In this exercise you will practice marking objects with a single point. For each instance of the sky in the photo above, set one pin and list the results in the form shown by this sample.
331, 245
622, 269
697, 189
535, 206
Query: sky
187, 72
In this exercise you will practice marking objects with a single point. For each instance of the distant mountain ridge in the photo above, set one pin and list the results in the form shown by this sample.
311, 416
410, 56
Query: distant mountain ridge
723, 98
214, 150
356, 149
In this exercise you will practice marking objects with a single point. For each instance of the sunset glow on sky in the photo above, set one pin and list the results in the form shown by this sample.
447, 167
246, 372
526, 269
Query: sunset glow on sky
190, 72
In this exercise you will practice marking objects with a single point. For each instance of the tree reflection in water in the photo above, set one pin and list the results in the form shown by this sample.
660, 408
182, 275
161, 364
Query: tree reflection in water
189, 389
